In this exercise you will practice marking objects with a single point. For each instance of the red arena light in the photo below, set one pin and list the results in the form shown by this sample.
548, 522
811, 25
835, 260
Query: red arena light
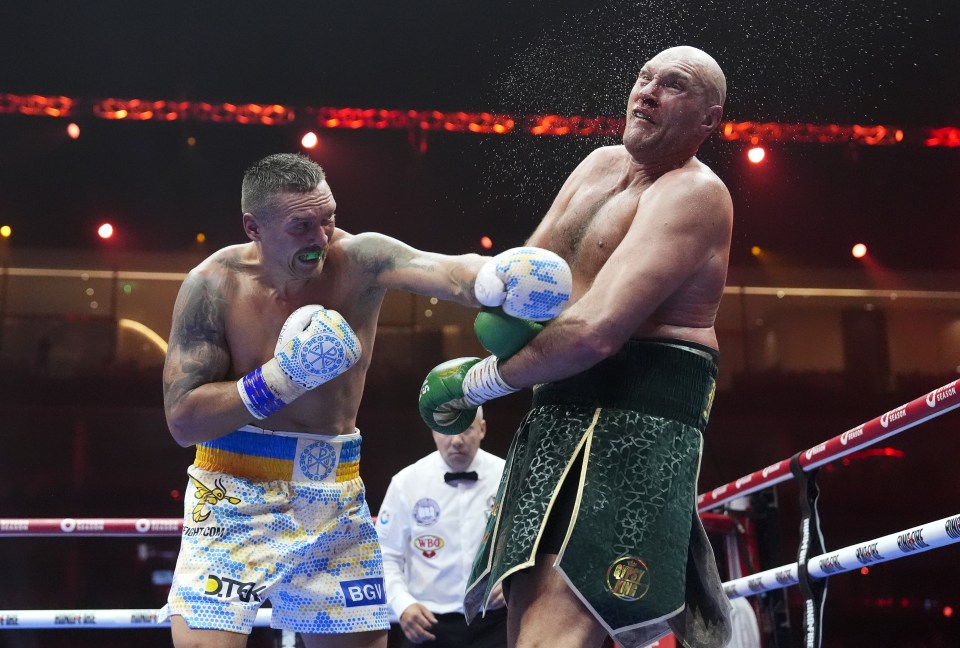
859, 251
105, 231
73, 131
486, 242
309, 140
756, 154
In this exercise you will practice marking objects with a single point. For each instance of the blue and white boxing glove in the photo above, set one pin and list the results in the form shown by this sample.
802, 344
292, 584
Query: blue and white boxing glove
315, 345
527, 282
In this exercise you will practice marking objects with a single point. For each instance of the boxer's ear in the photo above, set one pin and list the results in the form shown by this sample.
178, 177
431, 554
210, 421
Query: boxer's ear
251, 226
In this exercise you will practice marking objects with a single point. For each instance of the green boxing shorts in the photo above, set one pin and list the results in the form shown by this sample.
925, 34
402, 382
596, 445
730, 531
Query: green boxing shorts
611, 457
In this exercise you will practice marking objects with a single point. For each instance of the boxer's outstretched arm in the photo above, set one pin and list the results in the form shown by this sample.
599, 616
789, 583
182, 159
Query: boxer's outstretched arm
395, 265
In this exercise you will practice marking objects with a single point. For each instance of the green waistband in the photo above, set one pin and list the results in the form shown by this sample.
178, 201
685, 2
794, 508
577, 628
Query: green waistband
669, 378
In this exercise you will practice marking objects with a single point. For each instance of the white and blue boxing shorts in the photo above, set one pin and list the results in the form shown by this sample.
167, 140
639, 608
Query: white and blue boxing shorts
280, 516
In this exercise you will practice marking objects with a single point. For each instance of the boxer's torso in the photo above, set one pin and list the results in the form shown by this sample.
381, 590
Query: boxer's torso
255, 312
602, 208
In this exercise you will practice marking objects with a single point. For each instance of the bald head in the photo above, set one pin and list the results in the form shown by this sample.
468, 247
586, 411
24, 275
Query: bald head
702, 66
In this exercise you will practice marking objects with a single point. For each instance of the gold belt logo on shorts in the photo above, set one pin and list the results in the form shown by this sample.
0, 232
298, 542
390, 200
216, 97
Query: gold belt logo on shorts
628, 578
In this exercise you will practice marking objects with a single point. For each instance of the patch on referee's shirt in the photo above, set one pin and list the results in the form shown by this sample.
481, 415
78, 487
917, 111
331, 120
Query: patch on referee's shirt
365, 591
428, 544
426, 511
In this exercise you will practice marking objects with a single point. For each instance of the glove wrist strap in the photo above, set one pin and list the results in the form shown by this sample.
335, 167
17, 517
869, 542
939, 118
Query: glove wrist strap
267, 389
483, 382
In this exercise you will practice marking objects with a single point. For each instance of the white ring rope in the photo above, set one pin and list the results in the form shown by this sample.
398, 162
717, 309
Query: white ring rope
889, 547
100, 619
909, 542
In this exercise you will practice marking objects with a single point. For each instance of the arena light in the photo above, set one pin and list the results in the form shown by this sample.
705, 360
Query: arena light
105, 231
859, 251
756, 154
486, 242
73, 131
5, 231
309, 140
756, 250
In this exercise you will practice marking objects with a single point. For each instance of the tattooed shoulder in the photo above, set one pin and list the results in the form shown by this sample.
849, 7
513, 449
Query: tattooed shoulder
199, 311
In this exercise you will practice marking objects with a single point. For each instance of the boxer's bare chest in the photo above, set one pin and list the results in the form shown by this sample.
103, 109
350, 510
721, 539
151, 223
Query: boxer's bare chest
256, 315
593, 225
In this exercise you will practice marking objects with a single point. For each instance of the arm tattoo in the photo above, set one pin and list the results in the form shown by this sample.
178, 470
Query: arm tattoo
198, 350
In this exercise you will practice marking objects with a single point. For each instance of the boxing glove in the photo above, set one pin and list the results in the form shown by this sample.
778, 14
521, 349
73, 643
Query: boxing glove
315, 345
453, 390
501, 334
527, 282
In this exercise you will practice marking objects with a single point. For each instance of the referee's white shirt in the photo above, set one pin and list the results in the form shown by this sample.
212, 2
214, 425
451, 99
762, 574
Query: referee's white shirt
430, 530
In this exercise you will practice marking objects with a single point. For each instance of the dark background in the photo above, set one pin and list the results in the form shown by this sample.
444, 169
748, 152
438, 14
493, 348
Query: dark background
892, 62
840, 61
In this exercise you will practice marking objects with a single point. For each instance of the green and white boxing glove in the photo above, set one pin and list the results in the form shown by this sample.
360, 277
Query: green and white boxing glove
527, 282
503, 335
453, 390
315, 345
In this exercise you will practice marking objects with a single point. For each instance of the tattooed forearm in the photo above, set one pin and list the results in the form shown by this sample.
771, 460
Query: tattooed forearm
393, 264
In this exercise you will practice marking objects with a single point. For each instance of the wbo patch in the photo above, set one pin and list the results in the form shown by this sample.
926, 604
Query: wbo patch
426, 511
628, 578
428, 544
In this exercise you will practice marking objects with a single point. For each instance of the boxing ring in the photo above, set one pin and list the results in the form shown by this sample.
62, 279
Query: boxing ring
814, 566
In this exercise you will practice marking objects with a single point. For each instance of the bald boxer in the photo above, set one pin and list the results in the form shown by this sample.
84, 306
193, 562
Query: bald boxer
596, 532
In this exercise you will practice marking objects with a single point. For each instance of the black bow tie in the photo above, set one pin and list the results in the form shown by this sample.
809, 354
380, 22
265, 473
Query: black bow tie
468, 476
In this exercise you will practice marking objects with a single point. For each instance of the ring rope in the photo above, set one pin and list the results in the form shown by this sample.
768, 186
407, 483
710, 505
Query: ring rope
99, 619
939, 401
90, 527
900, 544
719, 523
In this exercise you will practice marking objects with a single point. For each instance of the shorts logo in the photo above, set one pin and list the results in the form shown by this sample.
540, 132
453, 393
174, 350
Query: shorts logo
223, 587
426, 512
209, 497
366, 591
384, 517
628, 578
428, 545
204, 532
318, 460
